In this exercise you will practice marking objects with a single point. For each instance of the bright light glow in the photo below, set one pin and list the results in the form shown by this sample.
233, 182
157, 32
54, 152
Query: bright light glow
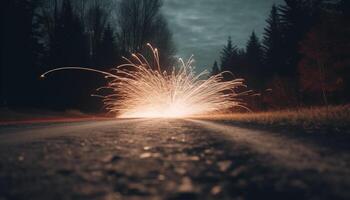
142, 90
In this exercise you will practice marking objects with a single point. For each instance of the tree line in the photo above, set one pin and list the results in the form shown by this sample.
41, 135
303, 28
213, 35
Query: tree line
302, 58
39, 35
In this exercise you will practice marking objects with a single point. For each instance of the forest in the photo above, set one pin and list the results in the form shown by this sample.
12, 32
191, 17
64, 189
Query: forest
302, 59
40, 35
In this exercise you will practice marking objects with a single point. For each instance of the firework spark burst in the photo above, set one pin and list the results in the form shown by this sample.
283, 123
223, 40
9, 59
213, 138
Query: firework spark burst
142, 90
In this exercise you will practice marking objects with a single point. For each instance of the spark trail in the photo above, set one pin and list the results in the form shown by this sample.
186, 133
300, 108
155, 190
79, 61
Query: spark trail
140, 89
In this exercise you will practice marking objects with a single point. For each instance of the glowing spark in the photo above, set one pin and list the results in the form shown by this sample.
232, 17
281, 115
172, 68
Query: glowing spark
142, 90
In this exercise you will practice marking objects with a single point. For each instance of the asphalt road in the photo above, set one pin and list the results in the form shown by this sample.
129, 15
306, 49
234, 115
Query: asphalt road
166, 159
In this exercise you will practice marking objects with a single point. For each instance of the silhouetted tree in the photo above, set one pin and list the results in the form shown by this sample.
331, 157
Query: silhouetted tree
162, 39
96, 24
273, 45
254, 56
227, 54
300, 34
239, 64
215, 69
326, 57
297, 17
67, 45
20, 52
39, 35
109, 55
293, 19
140, 22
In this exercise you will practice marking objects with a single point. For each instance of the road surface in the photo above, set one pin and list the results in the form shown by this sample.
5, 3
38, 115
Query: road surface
166, 159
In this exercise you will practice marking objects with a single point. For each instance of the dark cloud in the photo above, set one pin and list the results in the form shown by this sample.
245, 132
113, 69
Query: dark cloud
201, 27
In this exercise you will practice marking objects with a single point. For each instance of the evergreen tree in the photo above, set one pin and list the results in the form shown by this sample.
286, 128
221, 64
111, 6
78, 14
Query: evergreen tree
254, 51
254, 55
215, 69
297, 17
233, 60
239, 64
227, 54
70, 44
96, 25
20, 51
272, 45
67, 46
108, 51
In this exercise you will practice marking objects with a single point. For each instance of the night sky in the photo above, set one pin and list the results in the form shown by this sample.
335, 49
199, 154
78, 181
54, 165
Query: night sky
201, 27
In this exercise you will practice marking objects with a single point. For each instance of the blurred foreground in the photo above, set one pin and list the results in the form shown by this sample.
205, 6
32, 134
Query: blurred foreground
168, 159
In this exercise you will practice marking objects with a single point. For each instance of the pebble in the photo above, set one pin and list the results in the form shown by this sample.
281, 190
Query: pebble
186, 185
193, 158
146, 148
20, 158
145, 155
224, 165
181, 171
69, 152
208, 151
161, 177
156, 155
215, 190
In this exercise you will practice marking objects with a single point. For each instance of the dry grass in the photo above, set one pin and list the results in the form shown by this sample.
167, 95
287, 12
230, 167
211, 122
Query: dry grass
333, 118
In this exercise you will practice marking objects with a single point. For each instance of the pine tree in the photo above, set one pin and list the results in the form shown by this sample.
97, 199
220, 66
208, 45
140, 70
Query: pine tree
254, 51
108, 54
96, 24
226, 55
215, 69
239, 64
68, 46
297, 16
254, 55
71, 37
20, 51
67, 41
272, 45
